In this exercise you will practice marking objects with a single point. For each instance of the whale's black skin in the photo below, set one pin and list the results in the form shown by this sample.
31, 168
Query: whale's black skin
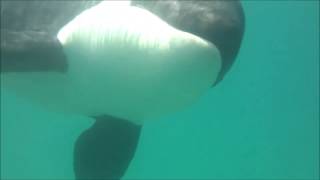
29, 44
21, 52
219, 21
28, 34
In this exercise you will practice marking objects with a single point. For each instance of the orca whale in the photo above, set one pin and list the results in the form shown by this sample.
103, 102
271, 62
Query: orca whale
119, 62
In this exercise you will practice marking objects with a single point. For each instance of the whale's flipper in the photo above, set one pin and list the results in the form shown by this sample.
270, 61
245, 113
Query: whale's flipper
105, 150
31, 51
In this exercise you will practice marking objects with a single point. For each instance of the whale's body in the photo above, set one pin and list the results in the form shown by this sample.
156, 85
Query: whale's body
120, 62
133, 68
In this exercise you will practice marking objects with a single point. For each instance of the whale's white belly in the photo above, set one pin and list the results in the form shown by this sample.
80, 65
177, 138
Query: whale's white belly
130, 65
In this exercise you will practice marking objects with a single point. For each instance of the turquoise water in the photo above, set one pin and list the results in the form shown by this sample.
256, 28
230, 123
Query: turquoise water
261, 122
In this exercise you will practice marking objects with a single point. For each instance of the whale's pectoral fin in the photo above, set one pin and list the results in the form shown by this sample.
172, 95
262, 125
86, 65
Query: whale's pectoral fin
105, 150
31, 51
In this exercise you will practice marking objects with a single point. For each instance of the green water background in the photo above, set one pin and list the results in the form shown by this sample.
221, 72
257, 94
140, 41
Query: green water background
261, 122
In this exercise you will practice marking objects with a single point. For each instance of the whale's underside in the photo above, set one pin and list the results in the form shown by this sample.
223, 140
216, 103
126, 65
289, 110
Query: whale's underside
29, 43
